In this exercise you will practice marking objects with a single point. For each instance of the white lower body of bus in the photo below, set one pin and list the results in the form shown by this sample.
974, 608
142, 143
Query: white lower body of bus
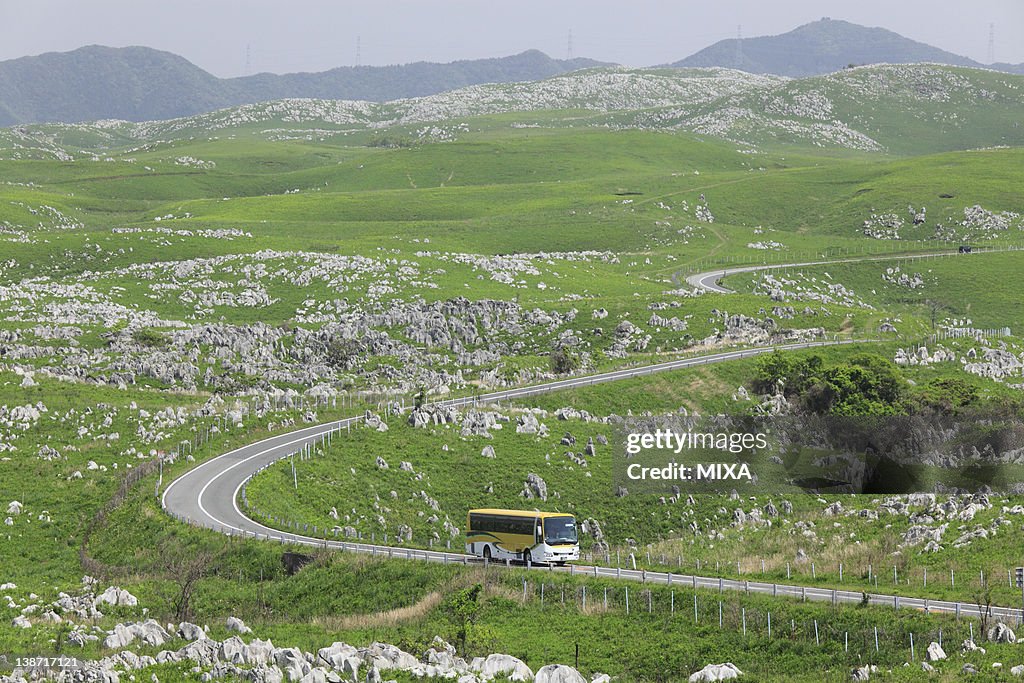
542, 553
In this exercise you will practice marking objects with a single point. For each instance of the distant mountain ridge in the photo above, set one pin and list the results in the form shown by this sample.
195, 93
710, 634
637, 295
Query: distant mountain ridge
823, 47
143, 84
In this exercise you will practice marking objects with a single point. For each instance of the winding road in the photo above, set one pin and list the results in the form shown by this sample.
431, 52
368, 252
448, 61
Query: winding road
711, 279
208, 494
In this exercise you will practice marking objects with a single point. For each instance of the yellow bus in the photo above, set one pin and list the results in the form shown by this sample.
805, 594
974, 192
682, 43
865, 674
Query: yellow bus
524, 536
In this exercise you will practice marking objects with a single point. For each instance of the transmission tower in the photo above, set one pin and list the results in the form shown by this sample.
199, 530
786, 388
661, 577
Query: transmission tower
359, 50
570, 50
991, 43
739, 46
248, 60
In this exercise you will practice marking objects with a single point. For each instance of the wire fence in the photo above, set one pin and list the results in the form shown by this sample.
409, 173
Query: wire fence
853, 575
867, 641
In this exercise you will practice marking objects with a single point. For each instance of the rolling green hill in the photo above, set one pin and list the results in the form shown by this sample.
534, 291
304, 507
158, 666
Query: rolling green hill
179, 288
894, 109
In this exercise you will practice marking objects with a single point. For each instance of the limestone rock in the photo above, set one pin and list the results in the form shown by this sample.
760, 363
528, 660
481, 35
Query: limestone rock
117, 596
503, 665
716, 672
935, 652
1001, 633
535, 487
558, 673
237, 625
190, 632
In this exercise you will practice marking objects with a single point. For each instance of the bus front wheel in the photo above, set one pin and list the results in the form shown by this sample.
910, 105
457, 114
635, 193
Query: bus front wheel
527, 560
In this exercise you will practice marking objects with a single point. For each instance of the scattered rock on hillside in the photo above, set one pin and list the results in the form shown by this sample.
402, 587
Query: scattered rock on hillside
190, 632
935, 652
149, 632
863, 673
117, 596
558, 673
502, 665
534, 487
970, 646
716, 672
237, 625
1001, 633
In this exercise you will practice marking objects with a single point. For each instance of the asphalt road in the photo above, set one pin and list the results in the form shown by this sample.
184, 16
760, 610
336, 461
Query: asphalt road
710, 280
208, 494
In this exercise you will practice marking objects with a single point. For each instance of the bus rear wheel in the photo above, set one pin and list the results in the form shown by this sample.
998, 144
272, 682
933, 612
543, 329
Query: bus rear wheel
487, 553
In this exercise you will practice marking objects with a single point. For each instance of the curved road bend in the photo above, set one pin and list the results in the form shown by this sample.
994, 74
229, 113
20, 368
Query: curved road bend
207, 496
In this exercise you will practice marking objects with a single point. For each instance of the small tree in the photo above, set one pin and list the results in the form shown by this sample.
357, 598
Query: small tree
463, 609
186, 568
564, 361
147, 336
342, 353
983, 600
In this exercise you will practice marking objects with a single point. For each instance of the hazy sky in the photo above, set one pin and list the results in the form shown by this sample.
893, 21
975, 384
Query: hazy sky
313, 35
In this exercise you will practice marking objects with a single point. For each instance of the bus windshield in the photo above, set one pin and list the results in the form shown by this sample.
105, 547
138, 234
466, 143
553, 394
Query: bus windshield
560, 530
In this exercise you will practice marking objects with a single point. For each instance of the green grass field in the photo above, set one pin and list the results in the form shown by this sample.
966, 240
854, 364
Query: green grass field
160, 280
